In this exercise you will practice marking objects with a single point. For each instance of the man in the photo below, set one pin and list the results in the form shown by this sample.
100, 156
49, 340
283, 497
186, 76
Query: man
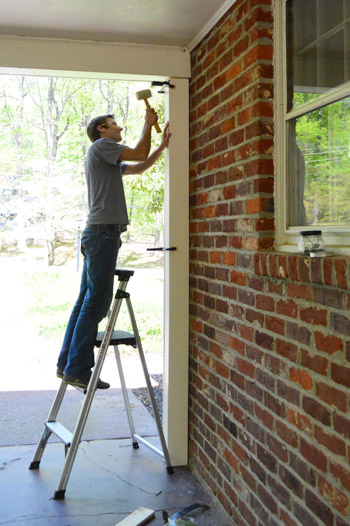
107, 218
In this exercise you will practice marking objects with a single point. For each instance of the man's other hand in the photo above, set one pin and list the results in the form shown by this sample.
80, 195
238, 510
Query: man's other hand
166, 135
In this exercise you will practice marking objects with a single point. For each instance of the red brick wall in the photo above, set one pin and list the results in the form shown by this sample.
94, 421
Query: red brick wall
270, 333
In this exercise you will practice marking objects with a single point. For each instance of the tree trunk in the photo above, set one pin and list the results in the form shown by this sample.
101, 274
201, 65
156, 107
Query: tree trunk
130, 216
51, 108
50, 251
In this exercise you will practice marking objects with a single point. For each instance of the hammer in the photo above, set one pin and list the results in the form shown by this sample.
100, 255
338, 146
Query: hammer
144, 95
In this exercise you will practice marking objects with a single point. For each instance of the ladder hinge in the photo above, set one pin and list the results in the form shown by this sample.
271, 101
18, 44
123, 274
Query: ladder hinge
122, 294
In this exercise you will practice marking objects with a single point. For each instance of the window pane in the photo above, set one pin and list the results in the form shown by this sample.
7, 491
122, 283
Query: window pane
330, 14
319, 166
317, 41
333, 61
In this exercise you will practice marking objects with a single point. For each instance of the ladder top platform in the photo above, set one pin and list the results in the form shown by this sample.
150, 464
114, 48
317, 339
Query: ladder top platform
123, 274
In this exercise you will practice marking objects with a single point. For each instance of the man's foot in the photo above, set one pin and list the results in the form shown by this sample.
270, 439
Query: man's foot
59, 372
83, 382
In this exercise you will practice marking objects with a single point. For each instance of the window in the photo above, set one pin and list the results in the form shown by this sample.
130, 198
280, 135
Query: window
312, 67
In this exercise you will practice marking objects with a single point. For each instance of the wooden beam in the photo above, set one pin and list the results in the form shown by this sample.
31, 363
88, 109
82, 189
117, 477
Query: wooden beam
137, 517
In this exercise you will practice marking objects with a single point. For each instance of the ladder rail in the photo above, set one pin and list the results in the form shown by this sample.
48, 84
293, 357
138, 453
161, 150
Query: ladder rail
149, 385
85, 409
126, 397
46, 431
150, 446
120, 294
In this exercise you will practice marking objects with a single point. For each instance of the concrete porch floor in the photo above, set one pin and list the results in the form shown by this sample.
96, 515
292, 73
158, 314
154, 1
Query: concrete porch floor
109, 480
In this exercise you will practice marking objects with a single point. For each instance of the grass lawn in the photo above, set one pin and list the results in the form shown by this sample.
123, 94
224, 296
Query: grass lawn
51, 292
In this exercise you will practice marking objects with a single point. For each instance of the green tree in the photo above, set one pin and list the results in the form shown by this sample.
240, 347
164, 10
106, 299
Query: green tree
323, 138
45, 144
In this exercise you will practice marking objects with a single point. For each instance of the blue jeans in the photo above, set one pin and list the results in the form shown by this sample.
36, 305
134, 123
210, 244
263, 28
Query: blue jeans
100, 251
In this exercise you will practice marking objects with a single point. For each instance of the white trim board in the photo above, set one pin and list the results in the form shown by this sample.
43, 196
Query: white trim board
133, 61
176, 279
209, 25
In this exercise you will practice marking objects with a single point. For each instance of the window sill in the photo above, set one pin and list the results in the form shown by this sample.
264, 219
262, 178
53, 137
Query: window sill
333, 271
333, 250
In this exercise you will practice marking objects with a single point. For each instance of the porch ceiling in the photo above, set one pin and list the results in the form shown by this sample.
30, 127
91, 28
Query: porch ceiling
154, 22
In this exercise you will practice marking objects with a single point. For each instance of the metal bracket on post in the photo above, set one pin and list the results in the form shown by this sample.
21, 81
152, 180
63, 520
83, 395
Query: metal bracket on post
165, 84
161, 249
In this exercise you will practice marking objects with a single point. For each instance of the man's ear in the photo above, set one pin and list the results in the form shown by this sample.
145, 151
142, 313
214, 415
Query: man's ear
101, 128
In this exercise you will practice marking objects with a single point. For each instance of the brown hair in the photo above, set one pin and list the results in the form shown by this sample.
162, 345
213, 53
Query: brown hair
92, 130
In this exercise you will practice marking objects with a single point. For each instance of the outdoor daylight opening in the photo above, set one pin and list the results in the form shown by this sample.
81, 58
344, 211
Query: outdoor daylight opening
43, 208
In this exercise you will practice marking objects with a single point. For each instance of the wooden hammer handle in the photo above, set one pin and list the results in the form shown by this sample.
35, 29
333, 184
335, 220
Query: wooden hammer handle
156, 125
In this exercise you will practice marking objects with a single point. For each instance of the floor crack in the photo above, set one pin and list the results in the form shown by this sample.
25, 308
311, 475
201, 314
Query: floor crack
114, 473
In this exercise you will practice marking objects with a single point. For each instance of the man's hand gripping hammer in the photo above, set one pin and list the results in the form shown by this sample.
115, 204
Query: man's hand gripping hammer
144, 95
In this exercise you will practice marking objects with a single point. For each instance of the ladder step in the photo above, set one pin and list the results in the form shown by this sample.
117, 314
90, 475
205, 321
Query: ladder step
118, 338
61, 432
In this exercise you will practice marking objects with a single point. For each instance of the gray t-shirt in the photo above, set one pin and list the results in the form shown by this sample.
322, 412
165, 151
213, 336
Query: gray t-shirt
103, 173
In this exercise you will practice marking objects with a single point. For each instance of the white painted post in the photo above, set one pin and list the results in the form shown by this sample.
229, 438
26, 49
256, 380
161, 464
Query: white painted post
176, 272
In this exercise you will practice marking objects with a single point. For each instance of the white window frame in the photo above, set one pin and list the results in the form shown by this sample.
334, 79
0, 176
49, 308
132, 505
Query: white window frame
337, 239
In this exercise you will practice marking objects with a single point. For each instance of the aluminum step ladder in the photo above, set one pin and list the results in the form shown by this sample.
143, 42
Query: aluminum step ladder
109, 337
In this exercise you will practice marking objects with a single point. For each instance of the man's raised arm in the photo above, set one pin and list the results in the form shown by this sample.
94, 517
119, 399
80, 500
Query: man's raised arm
139, 168
141, 150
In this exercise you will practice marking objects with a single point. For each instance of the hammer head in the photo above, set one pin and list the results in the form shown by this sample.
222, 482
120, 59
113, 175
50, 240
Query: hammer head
143, 94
